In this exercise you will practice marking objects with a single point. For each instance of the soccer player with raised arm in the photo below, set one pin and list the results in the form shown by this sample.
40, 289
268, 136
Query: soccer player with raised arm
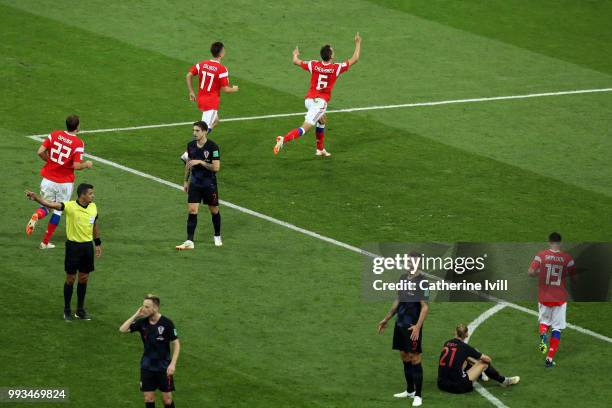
552, 267
213, 78
460, 365
411, 308
158, 364
323, 76
83, 233
62, 152
204, 162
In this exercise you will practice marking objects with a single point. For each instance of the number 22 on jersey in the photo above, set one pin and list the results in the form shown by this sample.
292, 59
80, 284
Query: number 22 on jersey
59, 153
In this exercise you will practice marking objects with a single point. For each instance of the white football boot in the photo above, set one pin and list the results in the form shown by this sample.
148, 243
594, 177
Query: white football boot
187, 245
404, 394
218, 241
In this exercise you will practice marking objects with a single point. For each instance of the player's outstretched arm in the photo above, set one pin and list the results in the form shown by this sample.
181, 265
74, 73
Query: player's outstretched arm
296, 54
125, 327
357, 52
188, 78
53, 205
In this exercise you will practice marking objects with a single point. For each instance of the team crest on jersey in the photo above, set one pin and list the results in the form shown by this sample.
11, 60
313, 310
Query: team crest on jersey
206, 154
160, 329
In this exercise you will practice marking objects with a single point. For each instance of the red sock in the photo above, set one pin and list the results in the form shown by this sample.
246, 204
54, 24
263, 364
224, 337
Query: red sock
41, 213
293, 134
50, 230
552, 349
543, 328
320, 138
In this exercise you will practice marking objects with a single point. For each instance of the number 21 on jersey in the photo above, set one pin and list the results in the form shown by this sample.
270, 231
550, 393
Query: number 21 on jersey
452, 351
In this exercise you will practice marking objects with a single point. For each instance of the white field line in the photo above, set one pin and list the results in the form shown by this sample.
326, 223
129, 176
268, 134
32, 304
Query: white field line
471, 329
304, 231
365, 108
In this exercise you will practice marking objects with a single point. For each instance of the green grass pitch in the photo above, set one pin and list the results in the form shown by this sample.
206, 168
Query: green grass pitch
275, 318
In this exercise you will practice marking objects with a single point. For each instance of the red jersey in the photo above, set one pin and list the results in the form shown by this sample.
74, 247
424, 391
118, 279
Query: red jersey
323, 77
553, 268
211, 77
63, 149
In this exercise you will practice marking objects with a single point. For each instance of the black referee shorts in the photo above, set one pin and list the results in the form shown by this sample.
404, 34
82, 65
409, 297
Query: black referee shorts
79, 257
155, 380
402, 341
462, 386
206, 194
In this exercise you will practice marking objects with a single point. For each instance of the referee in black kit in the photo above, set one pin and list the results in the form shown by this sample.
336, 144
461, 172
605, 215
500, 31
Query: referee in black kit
201, 168
156, 366
82, 232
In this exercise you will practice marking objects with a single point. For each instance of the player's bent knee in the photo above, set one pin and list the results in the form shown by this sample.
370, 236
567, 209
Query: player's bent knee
149, 396
83, 277
70, 278
213, 209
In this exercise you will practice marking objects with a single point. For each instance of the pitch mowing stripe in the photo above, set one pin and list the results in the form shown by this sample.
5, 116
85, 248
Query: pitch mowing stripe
365, 108
471, 329
313, 234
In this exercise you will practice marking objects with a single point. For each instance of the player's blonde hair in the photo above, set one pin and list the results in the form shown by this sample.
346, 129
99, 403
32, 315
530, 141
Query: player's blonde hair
461, 330
153, 298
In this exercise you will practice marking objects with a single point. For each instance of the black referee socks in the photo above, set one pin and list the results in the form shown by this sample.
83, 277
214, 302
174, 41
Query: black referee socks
81, 290
192, 221
67, 295
216, 220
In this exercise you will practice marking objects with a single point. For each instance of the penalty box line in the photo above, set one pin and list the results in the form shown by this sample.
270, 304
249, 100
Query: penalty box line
309, 233
361, 109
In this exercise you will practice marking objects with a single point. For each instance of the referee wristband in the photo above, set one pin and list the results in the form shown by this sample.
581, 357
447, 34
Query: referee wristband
97, 241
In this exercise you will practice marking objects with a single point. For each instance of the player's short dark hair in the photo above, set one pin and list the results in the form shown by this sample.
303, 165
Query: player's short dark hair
153, 298
461, 330
216, 48
201, 124
326, 52
72, 123
554, 237
82, 188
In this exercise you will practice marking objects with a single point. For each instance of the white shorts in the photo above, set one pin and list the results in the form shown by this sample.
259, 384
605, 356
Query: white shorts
316, 108
57, 192
553, 316
210, 117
